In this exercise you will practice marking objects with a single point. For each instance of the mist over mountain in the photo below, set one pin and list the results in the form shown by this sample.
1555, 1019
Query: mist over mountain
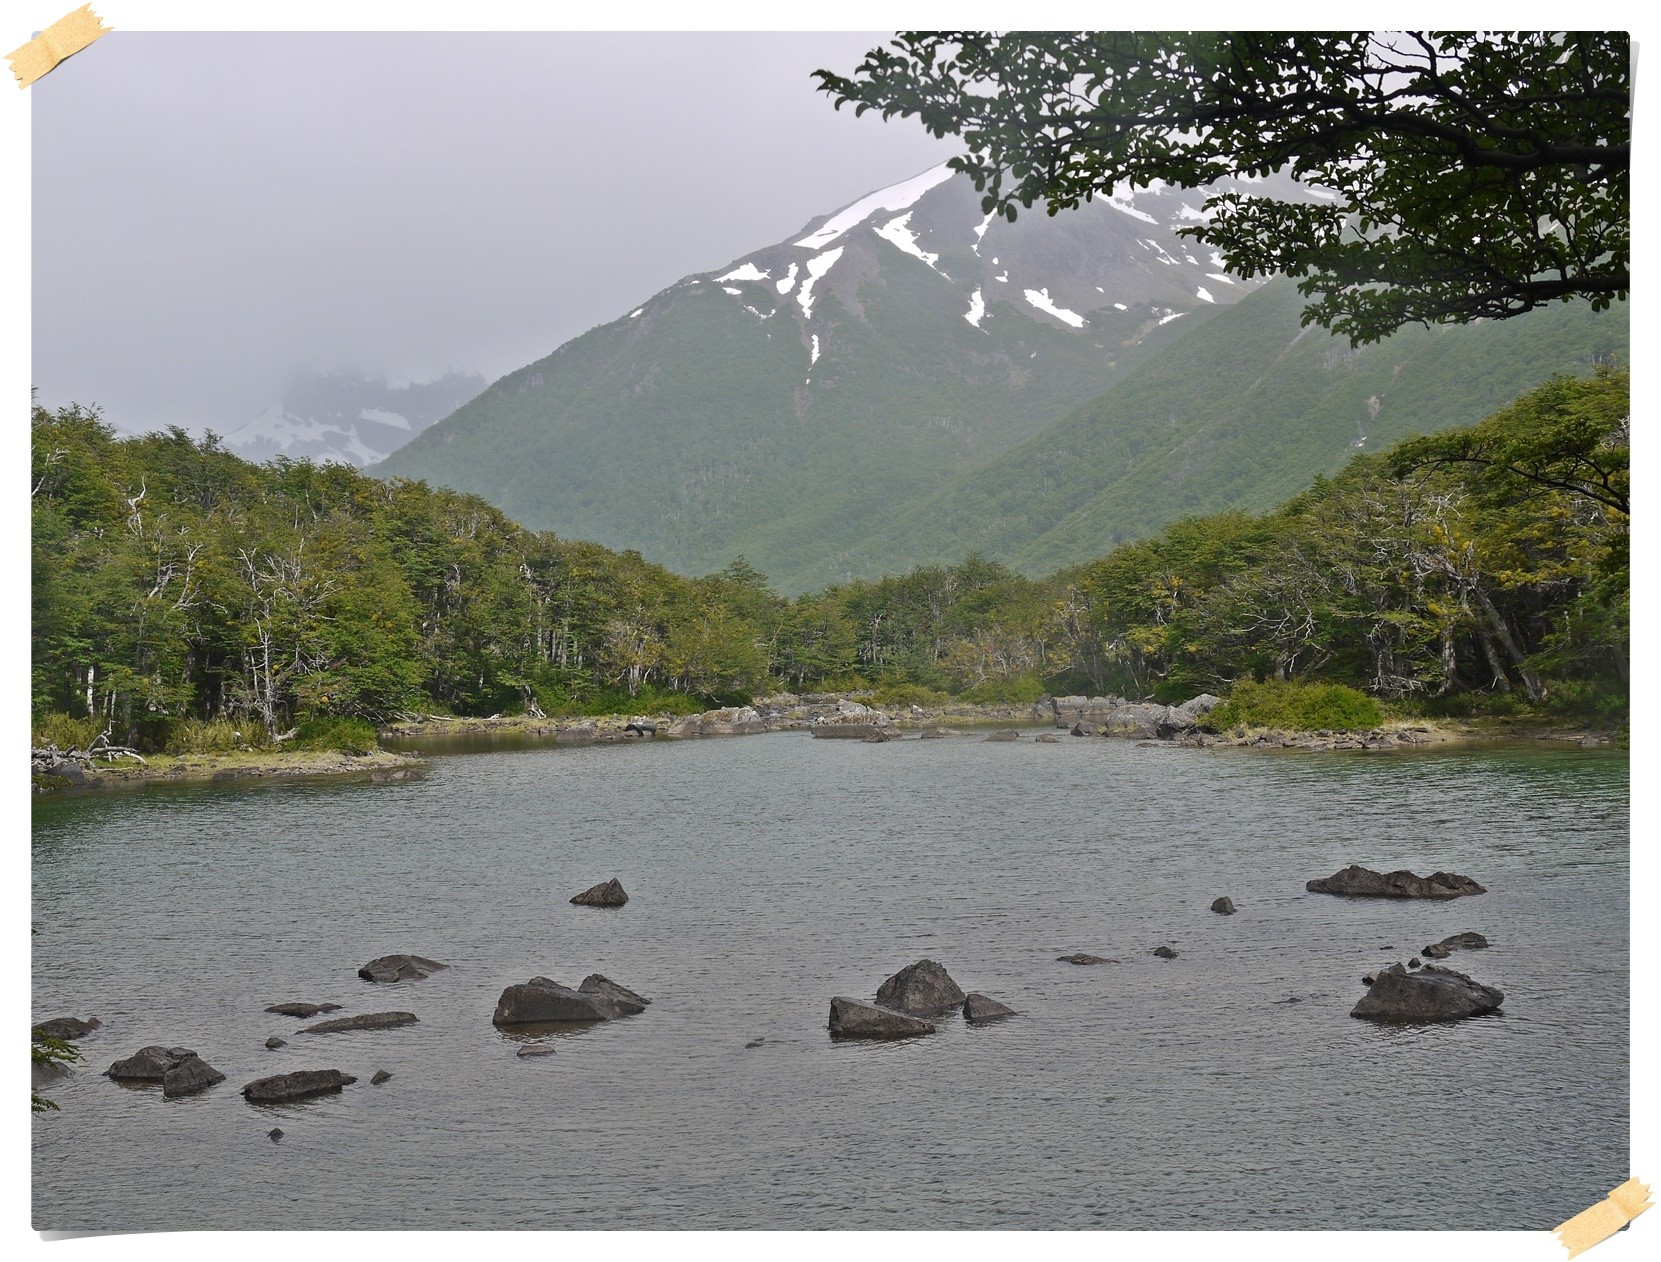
352, 417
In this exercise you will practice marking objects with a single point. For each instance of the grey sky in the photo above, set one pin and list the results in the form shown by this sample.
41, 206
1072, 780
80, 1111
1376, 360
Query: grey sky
215, 211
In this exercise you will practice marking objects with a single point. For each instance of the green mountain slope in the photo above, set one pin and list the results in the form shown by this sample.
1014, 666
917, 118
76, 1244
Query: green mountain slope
1242, 413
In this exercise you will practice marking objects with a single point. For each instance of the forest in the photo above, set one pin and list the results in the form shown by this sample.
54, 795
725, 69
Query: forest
179, 590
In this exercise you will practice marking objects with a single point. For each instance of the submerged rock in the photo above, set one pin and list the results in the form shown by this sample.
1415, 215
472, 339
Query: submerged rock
1047, 739
606, 894
380, 1076
1356, 881
536, 1049
1223, 906
851, 1019
273, 1043
923, 989
190, 1075
541, 999
1004, 734
363, 1021
1467, 941
1165, 953
66, 1028
1081, 957
979, 1009
400, 968
274, 1134
1431, 994
304, 1010
292, 1086
624, 1000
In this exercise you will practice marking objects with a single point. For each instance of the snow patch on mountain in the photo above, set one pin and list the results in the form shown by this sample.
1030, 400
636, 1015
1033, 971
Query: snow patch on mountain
787, 282
814, 356
1040, 298
980, 232
897, 233
1204, 294
817, 266
895, 197
977, 309
1121, 198
746, 271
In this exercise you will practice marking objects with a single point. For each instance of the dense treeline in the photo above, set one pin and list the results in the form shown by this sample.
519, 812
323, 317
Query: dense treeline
175, 584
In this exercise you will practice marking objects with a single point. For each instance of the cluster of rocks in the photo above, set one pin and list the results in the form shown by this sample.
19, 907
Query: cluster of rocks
1356, 881
1115, 716
1324, 740
907, 1001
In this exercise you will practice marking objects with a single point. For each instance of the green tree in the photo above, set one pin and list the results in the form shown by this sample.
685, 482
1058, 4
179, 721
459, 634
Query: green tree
1472, 175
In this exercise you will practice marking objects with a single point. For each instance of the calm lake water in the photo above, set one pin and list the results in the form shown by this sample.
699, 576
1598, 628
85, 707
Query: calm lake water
767, 874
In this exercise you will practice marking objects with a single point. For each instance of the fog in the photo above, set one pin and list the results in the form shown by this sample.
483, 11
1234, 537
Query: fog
215, 212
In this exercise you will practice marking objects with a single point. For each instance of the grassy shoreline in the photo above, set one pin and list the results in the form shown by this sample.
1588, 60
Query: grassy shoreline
264, 765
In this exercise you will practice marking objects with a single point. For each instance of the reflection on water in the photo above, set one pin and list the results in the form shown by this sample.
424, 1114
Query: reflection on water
767, 874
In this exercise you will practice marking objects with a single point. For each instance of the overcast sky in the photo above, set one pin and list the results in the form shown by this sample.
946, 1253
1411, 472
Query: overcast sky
213, 212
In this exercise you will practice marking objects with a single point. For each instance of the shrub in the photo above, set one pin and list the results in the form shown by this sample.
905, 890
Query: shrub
64, 732
907, 694
1295, 706
1015, 690
347, 735
215, 736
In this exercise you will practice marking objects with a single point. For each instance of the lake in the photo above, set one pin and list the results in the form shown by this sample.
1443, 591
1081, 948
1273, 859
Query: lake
767, 874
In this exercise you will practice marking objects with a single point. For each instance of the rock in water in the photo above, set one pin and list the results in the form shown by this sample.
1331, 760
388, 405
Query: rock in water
364, 1021
978, 1010
1005, 734
851, 1019
621, 998
1468, 941
1223, 906
606, 894
536, 1049
291, 1086
1437, 951
1081, 957
273, 1043
149, 1064
923, 989
1047, 739
66, 1028
274, 1134
1165, 953
305, 1010
379, 1077
1359, 882
1431, 994
541, 1000
190, 1075
398, 968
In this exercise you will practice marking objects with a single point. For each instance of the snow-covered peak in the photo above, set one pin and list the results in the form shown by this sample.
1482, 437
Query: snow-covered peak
895, 197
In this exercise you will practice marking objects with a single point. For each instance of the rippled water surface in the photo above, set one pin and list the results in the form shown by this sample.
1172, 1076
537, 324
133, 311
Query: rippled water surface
767, 874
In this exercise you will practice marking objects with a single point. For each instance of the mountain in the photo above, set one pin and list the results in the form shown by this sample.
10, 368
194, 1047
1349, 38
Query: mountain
349, 417
1241, 414
784, 405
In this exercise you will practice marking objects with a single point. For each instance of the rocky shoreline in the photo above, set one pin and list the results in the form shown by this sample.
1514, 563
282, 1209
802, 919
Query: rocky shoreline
380, 766
840, 715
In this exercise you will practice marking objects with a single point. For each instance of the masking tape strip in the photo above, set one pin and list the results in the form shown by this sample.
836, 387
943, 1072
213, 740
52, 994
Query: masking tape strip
64, 38
1605, 1218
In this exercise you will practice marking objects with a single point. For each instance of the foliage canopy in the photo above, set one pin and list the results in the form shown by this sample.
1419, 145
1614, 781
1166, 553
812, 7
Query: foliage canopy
1472, 175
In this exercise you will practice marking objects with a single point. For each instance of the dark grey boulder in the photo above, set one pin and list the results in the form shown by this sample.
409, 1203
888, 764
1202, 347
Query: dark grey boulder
1437, 951
1415, 962
624, 1000
923, 989
379, 1077
273, 1043
1470, 940
304, 1010
536, 1049
1165, 953
1223, 906
274, 1134
149, 1064
978, 1010
1004, 734
606, 894
66, 1028
851, 1019
1082, 957
363, 1021
292, 1086
1431, 994
190, 1075
1356, 881
400, 968
540, 1000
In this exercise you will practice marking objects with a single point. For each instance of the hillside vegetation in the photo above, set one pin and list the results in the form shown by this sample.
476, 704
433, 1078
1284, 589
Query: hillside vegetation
179, 590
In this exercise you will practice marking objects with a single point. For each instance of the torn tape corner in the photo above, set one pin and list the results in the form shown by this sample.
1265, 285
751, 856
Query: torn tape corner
64, 38
1605, 1218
